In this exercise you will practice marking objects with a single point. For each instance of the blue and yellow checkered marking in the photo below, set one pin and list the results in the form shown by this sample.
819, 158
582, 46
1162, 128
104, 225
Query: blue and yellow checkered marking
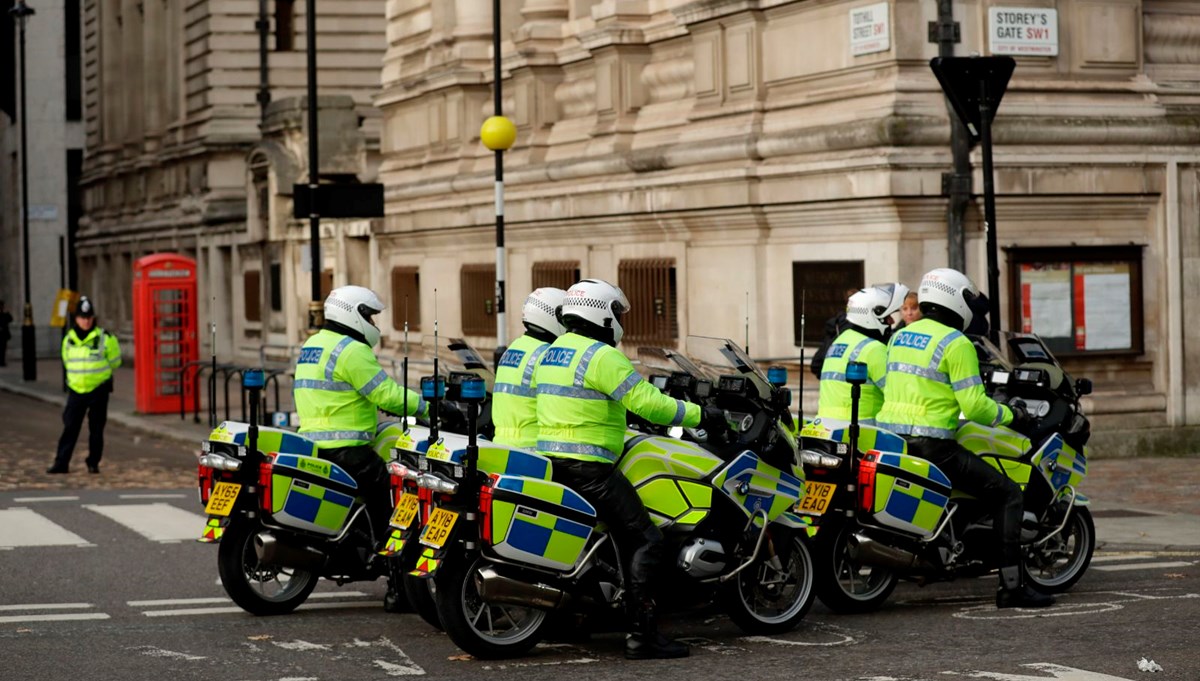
314, 466
872, 438
918, 466
1060, 464
748, 468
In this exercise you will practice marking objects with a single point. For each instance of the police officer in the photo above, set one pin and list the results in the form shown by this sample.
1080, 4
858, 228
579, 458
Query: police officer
514, 400
584, 387
868, 318
933, 374
89, 355
338, 387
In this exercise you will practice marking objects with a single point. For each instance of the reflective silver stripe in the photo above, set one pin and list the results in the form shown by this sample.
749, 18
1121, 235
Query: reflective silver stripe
571, 391
881, 382
335, 435
80, 360
680, 413
582, 367
918, 431
626, 386
421, 406
518, 390
940, 350
862, 345
331, 362
999, 415
832, 376
318, 384
534, 357
374, 383
103, 369
575, 448
966, 383
923, 372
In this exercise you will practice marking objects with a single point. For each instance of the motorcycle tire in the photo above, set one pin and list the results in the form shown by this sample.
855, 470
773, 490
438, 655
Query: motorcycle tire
420, 598
245, 579
741, 594
833, 564
1082, 530
459, 610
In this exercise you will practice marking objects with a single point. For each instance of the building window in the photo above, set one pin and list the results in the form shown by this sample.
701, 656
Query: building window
650, 286
285, 25
276, 275
556, 273
478, 300
820, 291
252, 295
406, 298
1080, 300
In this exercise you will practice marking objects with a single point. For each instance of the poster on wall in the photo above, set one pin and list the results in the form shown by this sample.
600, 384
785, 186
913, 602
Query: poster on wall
1046, 299
1102, 292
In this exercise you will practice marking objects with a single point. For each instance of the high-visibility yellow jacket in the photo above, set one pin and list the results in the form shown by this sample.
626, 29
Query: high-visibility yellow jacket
90, 361
852, 346
514, 398
933, 375
339, 384
584, 388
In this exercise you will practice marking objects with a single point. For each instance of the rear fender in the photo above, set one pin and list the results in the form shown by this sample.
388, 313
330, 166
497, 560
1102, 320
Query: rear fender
798, 523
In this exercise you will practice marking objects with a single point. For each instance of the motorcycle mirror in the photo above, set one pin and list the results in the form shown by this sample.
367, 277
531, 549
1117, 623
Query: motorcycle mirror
1083, 386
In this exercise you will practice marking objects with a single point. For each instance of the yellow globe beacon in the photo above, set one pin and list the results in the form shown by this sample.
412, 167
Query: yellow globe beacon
498, 133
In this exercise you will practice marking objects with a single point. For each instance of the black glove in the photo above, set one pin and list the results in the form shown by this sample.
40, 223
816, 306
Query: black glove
1021, 420
713, 420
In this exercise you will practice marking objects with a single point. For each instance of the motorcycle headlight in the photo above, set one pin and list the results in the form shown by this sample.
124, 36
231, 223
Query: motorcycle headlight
812, 457
220, 463
401, 471
432, 482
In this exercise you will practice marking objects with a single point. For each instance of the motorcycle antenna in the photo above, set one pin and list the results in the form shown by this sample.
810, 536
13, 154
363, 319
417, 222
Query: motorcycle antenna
803, 302
435, 403
747, 322
212, 381
404, 365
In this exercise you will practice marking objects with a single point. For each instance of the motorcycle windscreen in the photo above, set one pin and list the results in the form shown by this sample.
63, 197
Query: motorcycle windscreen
1060, 464
910, 493
539, 522
311, 494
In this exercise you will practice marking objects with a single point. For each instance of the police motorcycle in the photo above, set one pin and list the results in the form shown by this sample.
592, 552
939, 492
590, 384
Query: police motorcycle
516, 550
282, 517
883, 515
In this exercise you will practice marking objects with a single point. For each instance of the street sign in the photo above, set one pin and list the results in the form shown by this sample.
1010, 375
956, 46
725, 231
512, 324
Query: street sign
339, 201
64, 302
973, 83
870, 29
1031, 31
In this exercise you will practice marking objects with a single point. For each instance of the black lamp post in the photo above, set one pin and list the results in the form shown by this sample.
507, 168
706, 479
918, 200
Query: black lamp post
21, 12
316, 316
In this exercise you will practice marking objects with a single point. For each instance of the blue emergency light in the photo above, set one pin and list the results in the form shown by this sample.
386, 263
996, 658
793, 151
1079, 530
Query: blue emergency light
856, 372
473, 389
252, 378
433, 389
777, 376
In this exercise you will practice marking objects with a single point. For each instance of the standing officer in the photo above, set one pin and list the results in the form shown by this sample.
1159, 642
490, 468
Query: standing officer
584, 387
933, 374
868, 318
339, 385
514, 405
89, 355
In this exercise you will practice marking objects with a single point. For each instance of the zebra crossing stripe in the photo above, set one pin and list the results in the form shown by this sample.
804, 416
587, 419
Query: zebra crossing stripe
158, 522
20, 527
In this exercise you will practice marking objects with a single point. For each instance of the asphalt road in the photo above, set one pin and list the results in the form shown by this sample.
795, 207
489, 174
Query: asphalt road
125, 593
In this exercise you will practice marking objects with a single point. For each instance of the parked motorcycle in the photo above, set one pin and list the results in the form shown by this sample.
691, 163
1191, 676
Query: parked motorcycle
514, 548
883, 515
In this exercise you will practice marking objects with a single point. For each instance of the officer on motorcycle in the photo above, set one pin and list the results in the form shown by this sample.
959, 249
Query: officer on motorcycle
584, 387
868, 314
933, 374
339, 385
514, 401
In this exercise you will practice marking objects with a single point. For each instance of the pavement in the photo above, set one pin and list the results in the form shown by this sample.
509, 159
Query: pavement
1138, 502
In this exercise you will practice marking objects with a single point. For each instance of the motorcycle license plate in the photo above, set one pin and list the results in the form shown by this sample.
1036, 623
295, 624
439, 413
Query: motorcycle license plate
437, 530
406, 510
220, 502
817, 496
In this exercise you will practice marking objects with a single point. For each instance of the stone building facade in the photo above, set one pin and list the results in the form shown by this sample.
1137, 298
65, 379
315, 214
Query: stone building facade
732, 158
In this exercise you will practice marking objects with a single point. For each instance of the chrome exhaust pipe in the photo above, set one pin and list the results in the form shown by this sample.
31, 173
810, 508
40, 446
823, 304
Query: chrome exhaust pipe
867, 551
272, 551
497, 589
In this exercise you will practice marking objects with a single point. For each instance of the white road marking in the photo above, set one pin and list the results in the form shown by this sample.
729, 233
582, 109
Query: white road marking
151, 651
23, 500
153, 496
1060, 673
300, 645
23, 527
224, 611
404, 666
1144, 566
1121, 556
54, 618
156, 522
48, 606
989, 612
550, 663
203, 601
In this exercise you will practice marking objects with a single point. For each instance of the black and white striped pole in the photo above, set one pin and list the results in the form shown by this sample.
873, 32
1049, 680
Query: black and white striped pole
498, 134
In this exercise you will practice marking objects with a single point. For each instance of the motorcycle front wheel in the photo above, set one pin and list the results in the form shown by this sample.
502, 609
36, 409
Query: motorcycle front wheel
844, 585
1056, 565
420, 593
486, 631
772, 595
257, 588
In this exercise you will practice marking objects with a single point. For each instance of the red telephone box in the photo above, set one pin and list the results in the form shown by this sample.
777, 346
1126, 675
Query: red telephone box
164, 331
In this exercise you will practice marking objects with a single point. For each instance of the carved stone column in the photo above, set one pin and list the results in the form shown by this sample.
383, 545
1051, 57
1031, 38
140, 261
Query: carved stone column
154, 71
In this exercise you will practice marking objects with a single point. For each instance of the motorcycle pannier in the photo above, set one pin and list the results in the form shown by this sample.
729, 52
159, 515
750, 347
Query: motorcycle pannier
539, 522
310, 493
910, 493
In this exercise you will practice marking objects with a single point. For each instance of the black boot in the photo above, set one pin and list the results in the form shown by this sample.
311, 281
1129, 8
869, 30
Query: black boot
645, 643
1013, 594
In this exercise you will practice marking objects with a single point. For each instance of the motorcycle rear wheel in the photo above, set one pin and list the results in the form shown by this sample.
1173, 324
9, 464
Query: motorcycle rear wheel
256, 588
420, 593
844, 586
768, 598
488, 632
1061, 562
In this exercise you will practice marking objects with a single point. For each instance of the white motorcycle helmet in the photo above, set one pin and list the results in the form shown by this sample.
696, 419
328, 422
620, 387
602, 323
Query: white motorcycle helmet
949, 289
599, 303
541, 310
872, 308
353, 307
